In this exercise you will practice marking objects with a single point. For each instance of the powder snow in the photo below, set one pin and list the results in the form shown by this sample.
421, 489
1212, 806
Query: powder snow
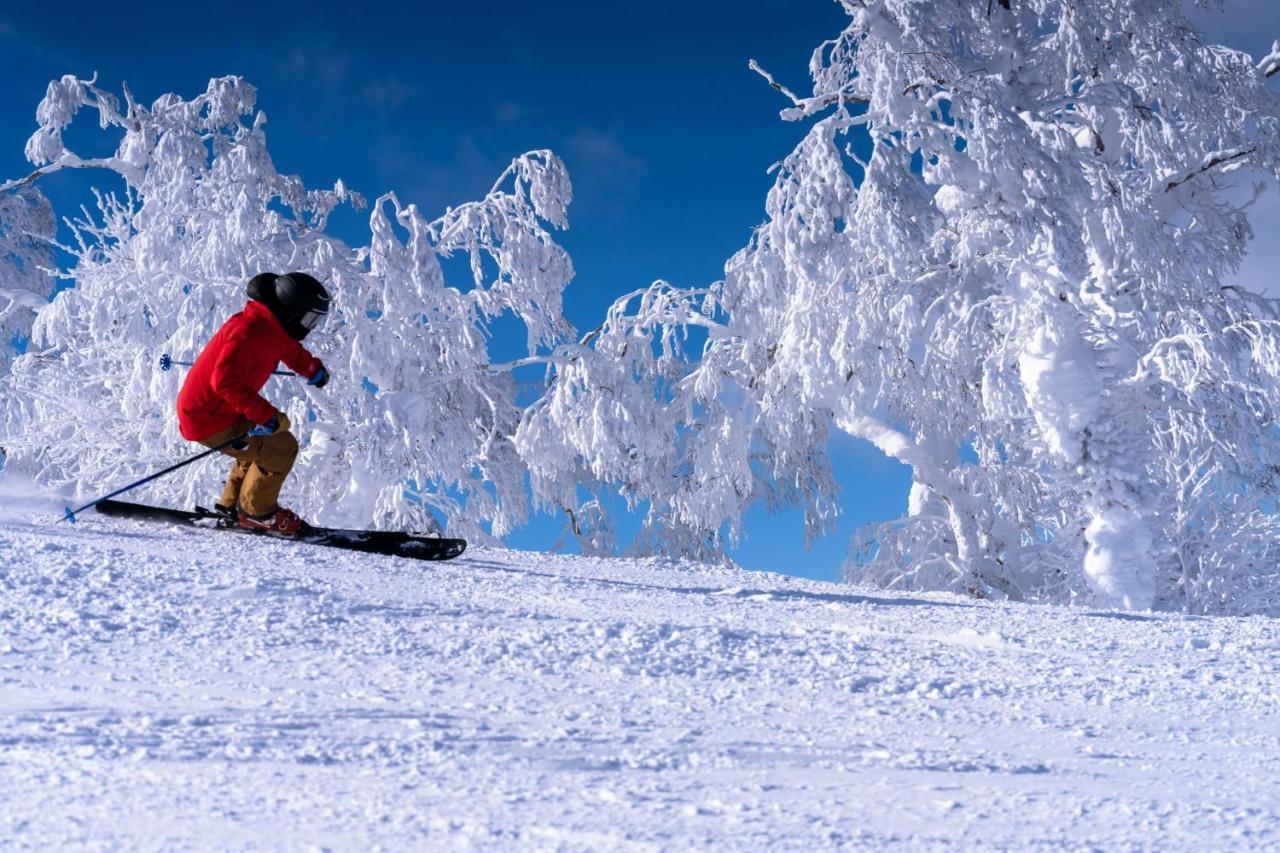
175, 688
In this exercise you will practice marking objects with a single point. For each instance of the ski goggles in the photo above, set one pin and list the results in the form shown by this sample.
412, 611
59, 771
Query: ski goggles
311, 320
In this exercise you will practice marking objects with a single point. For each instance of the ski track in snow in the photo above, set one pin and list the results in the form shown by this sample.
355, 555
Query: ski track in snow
171, 688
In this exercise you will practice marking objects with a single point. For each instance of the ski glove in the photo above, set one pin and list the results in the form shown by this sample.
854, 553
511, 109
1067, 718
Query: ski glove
320, 378
279, 422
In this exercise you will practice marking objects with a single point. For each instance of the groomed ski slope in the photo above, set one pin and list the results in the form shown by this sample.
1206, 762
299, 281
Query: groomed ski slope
164, 688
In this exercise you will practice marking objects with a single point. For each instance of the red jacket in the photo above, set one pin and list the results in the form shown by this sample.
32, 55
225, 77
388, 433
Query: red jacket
223, 384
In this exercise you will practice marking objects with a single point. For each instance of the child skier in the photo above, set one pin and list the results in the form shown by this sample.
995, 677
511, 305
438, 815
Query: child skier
221, 398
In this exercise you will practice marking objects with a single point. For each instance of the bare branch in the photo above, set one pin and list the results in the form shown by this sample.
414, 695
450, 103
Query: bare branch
1213, 161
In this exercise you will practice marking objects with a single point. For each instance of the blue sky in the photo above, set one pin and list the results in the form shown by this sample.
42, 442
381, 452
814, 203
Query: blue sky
666, 133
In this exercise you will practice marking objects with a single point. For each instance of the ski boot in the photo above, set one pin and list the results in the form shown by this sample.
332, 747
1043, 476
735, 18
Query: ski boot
281, 522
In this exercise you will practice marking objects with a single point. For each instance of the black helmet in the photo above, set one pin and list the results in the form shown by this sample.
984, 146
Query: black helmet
299, 302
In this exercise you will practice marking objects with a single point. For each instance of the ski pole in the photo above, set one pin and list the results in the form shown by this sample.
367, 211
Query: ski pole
167, 363
70, 513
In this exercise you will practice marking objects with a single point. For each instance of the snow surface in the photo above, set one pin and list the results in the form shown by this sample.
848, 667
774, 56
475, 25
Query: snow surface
168, 688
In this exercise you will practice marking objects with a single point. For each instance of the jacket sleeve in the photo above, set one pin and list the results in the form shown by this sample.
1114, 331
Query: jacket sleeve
230, 382
301, 362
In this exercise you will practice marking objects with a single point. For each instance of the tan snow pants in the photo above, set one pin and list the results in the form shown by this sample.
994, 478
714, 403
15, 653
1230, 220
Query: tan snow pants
259, 470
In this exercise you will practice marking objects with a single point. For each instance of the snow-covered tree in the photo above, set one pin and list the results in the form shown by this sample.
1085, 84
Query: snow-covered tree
417, 415
1001, 255
26, 257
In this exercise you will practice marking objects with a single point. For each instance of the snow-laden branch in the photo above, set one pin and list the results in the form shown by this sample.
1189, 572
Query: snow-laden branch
1210, 162
806, 107
66, 160
1270, 63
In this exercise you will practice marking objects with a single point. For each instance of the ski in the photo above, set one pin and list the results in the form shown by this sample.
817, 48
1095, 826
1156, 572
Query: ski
390, 543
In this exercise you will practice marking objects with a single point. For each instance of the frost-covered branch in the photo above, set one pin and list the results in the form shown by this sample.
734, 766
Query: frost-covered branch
64, 161
1211, 161
1270, 63
806, 107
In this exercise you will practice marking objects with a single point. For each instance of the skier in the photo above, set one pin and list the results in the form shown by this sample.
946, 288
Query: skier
221, 398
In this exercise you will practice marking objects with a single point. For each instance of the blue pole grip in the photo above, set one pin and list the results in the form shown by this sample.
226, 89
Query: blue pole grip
167, 363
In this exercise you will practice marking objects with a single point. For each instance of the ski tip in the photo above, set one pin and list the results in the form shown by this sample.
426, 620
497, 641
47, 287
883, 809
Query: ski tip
69, 515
